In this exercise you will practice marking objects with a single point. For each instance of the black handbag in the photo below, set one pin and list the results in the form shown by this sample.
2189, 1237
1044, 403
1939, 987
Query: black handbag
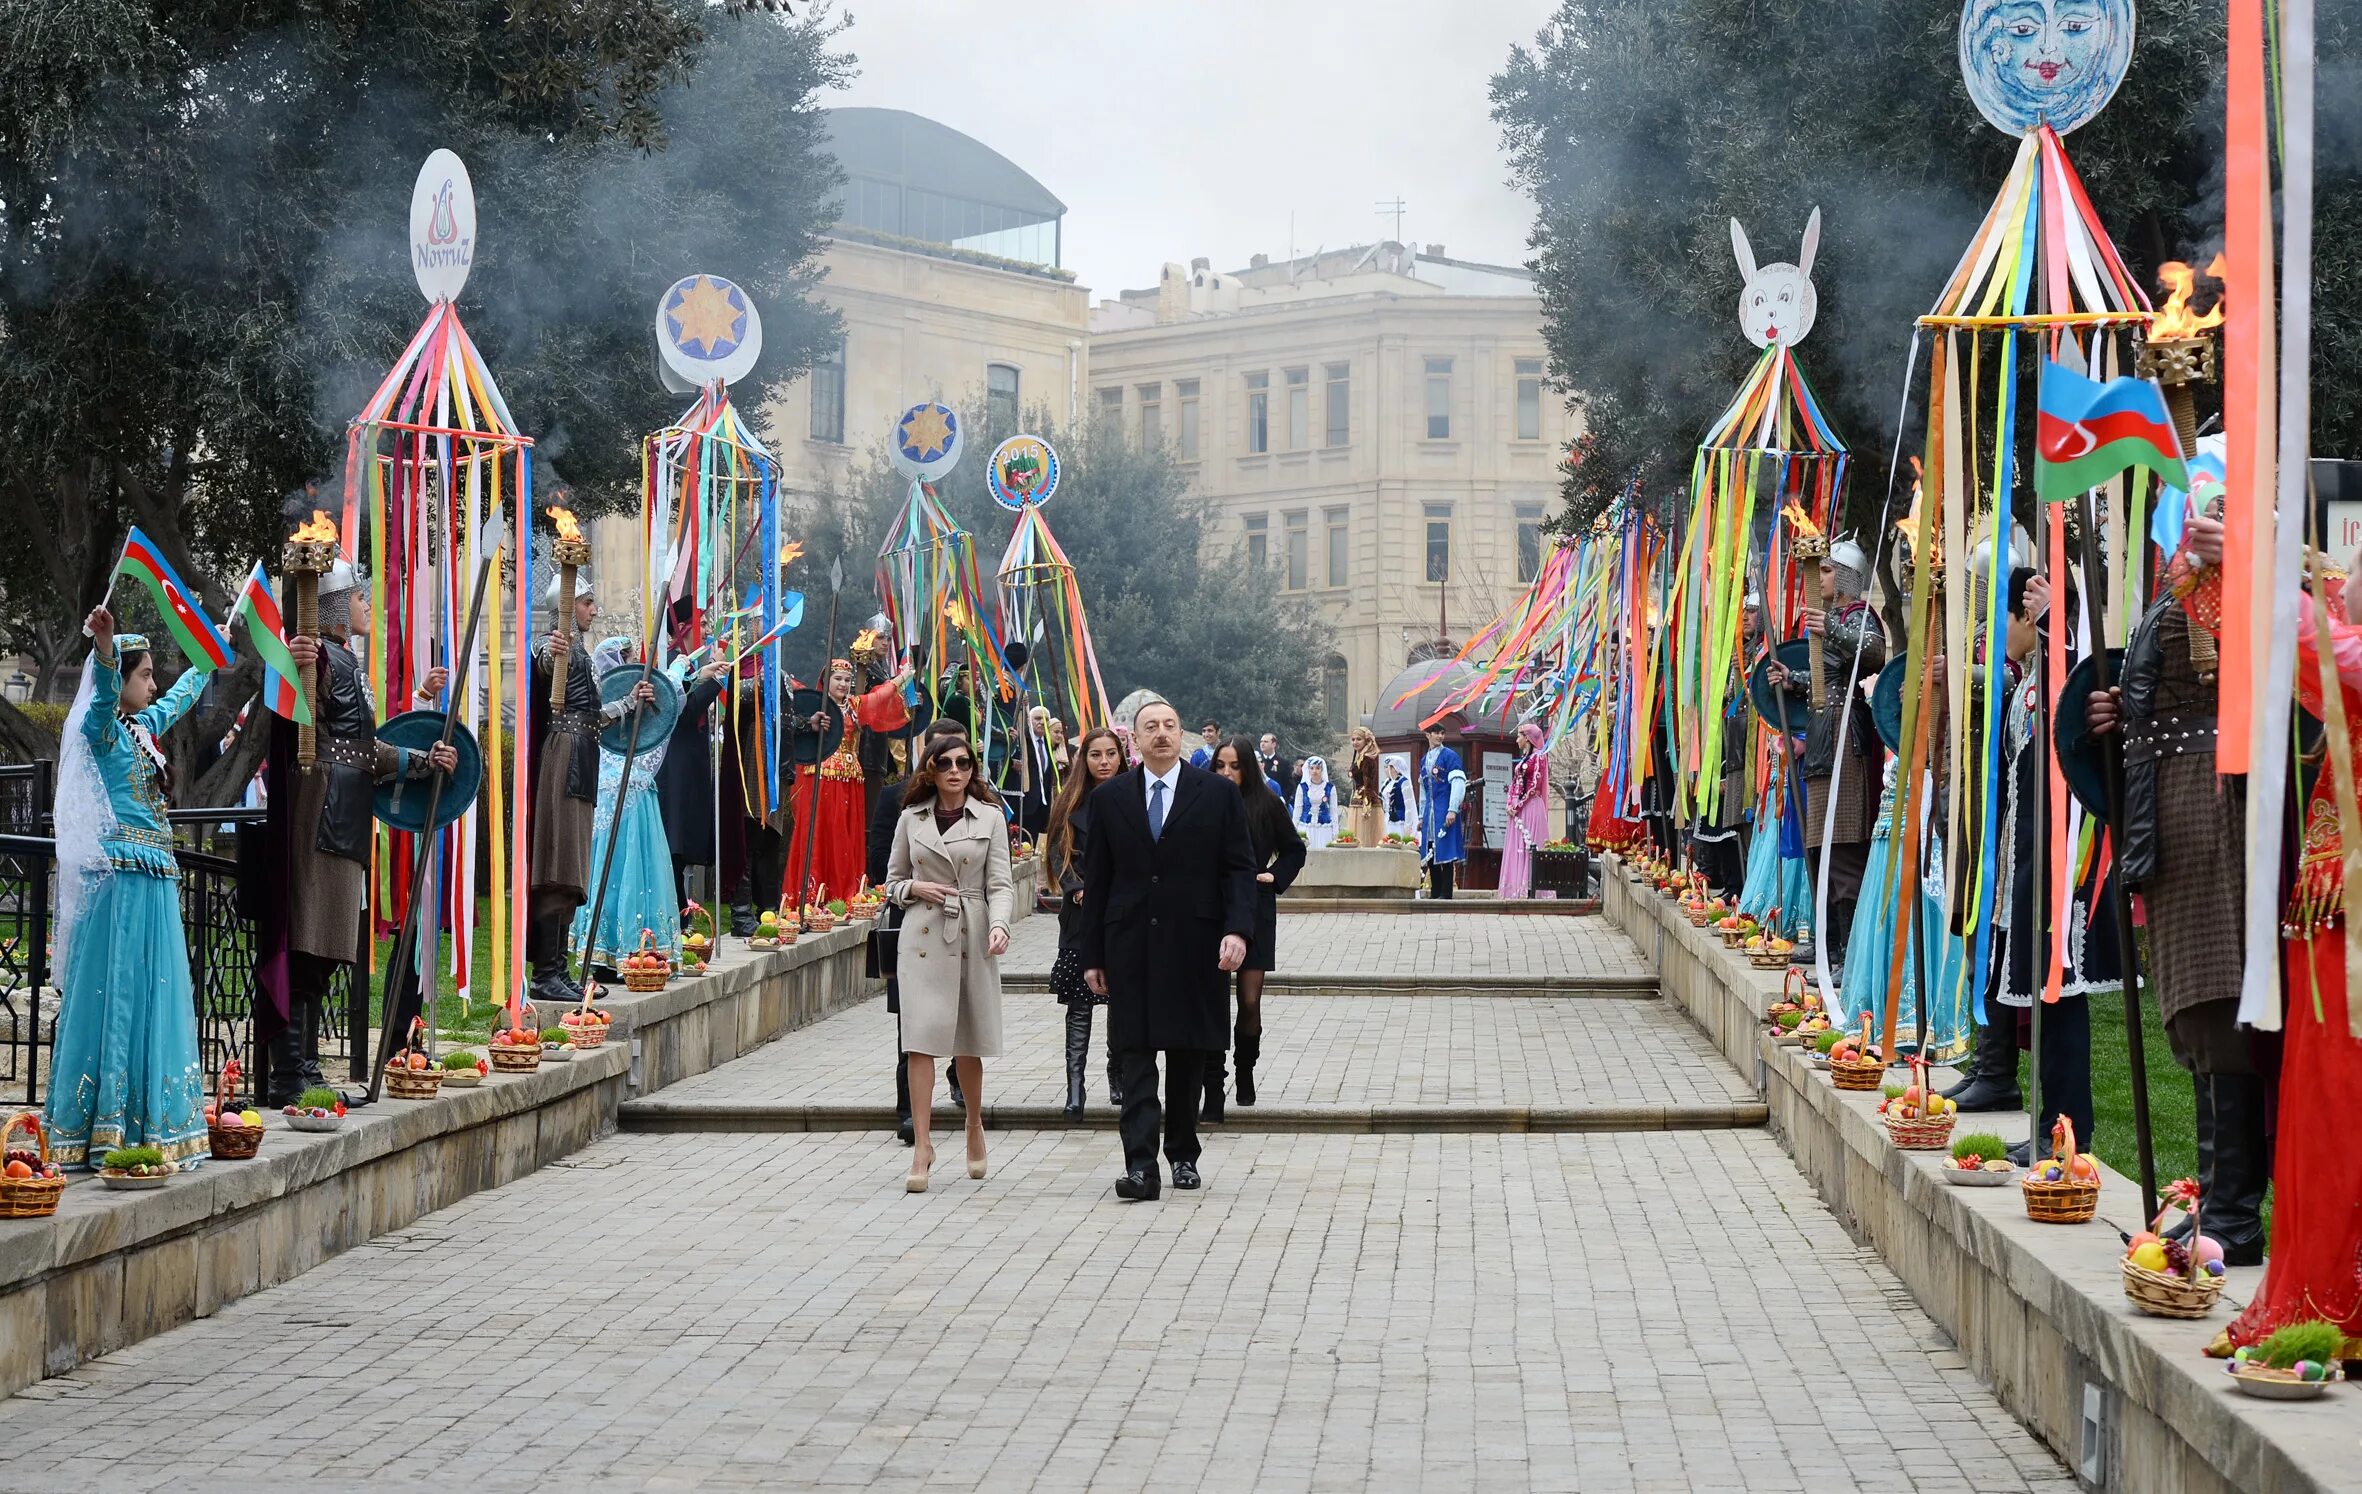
885, 942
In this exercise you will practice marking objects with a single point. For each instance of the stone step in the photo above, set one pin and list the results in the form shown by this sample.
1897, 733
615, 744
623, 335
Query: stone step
1609, 986
1563, 907
659, 1113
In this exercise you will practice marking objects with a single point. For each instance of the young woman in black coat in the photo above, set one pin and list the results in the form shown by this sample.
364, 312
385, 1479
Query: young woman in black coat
1279, 856
1101, 754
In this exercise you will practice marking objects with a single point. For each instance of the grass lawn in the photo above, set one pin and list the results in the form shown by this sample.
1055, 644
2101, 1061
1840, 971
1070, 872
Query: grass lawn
471, 1026
2173, 1123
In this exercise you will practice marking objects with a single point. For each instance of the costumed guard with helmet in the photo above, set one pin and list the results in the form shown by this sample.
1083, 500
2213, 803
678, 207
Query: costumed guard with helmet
831, 801
322, 818
565, 791
1853, 649
2184, 850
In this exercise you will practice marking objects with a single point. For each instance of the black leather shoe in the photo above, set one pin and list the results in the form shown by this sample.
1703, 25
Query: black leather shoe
1138, 1186
904, 1133
1985, 1094
2022, 1154
1185, 1175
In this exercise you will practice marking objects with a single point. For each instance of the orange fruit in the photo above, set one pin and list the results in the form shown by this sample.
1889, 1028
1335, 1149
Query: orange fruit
18, 1170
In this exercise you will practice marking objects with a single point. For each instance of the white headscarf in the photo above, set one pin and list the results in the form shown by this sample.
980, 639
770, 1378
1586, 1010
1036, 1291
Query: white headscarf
84, 819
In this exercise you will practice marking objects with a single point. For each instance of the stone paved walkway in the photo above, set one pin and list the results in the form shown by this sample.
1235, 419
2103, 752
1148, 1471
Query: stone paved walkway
1397, 946
1604, 1313
1324, 1050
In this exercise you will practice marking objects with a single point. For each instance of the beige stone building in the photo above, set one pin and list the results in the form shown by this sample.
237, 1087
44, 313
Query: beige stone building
1373, 423
944, 266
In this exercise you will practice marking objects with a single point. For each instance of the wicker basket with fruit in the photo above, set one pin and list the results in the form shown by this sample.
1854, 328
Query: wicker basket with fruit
516, 1050
2174, 1278
409, 1074
1918, 1119
235, 1135
586, 1026
30, 1184
697, 945
1855, 1062
646, 968
2066, 1188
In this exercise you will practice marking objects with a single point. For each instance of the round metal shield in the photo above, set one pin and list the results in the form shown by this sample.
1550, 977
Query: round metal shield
806, 746
1886, 703
656, 719
402, 802
1768, 701
707, 328
927, 441
2070, 730
1023, 472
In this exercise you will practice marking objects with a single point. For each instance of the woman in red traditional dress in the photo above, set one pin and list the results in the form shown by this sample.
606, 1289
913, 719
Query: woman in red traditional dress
2314, 1268
841, 814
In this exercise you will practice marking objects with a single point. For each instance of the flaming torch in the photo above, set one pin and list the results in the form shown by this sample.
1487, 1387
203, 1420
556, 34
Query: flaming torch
310, 553
1809, 544
572, 552
2179, 354
1907, 531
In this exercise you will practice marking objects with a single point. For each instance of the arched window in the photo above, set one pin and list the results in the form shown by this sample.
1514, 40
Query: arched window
1332, 694
1000, 397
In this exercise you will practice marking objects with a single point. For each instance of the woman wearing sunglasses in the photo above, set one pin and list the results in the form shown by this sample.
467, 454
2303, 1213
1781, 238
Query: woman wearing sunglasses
949, 872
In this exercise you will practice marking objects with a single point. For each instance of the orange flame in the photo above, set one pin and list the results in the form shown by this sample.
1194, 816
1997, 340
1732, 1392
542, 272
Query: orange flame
790, 553
1800, 521
864, 641
1907, 527
2175, 319
564, 519
314, 529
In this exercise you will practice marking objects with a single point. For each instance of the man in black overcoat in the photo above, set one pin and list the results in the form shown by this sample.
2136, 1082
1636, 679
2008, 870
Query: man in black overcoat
1168, 905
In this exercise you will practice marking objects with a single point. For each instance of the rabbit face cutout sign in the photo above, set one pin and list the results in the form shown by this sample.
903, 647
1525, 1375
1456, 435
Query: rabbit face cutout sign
1777, 304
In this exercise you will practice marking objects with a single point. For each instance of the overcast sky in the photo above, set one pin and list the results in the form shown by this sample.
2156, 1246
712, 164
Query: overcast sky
1179, 129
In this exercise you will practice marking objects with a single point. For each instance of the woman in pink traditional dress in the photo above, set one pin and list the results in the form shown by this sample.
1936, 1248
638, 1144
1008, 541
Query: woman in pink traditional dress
1529, 813
2314, 1267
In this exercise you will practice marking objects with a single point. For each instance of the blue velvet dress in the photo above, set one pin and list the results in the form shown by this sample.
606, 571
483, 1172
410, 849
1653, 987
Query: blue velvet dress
640, 888
125, 1069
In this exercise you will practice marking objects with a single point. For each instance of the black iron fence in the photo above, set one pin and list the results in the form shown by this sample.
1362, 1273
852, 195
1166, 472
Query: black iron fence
219, 929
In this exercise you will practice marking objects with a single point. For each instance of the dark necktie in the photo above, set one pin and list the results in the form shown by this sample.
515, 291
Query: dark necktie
1156, 810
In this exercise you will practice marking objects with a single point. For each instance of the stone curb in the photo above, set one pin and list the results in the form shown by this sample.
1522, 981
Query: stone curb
657, 1115
1552, 987
2037, 1310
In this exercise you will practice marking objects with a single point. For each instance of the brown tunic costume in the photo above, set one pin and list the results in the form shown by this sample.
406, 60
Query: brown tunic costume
331, 821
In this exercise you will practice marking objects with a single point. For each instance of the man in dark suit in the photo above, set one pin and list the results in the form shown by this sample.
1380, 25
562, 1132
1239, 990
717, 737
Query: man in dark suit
1277, 767
884, 940
1168, 905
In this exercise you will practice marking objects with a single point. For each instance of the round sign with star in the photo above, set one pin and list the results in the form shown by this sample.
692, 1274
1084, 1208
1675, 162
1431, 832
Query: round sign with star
708, 329
1023, 473
927, 442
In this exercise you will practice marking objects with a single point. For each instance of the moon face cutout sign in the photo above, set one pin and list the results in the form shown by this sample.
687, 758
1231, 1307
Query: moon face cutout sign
2033, 62
1023, 473
927, 441
707, 329
442, 227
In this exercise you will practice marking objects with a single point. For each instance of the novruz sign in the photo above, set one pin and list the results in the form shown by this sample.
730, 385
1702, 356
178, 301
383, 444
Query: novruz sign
442, 227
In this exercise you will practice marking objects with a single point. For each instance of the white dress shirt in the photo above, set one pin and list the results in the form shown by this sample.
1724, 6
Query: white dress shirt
1171, 780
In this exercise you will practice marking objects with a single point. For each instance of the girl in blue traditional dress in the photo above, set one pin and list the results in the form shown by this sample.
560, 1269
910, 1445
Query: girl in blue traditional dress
124, 1070
640, 888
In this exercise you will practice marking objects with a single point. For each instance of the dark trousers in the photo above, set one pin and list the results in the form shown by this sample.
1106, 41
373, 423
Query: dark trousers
766, 868
1847, 862
1723, 862
1142, 1119
1439, 878
2066, 1069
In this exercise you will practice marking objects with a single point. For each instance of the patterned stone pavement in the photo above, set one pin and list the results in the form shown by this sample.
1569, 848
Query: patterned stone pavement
1397, 946
1351, 1051
1604, 1313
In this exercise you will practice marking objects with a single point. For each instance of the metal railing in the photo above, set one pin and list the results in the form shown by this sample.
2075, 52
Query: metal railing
219, 929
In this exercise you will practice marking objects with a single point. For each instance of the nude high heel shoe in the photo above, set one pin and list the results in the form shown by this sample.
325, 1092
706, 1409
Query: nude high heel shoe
920, 1164
976, 1154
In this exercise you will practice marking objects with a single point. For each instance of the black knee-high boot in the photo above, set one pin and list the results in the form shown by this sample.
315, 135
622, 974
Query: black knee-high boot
1249, 1044
1078, 1055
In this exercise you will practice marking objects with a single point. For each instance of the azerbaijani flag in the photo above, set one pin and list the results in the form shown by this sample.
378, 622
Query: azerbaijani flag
267, 631
200, 641
2086, 432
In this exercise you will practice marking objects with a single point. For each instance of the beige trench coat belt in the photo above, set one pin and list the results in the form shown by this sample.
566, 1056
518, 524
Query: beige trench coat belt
951, 914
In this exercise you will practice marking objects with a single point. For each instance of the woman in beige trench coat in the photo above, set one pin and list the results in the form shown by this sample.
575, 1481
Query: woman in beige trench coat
949, 872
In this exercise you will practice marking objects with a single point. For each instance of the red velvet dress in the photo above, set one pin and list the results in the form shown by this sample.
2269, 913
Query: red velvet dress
2314, 1268
830, 798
